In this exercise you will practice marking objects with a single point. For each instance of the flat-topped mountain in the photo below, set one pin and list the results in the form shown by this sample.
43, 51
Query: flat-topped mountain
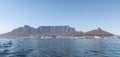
28, 31
98, 32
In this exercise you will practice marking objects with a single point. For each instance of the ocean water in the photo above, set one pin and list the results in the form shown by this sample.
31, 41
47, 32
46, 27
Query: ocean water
59, 47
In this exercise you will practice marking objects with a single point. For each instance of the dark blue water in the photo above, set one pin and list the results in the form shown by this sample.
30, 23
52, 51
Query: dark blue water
59, 48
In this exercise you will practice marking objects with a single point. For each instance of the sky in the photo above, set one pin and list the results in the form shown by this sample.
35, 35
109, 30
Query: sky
84, 15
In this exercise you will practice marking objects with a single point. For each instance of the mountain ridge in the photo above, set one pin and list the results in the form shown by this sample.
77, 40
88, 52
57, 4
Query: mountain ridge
28, 31
63, 31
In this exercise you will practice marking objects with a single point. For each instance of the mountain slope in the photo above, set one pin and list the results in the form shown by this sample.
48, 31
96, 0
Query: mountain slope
98, 32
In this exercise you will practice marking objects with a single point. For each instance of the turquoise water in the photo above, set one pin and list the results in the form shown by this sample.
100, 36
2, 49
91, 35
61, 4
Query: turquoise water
59, 47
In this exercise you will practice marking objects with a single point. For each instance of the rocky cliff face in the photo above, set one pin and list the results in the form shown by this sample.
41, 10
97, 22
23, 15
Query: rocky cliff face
28, 31
55, 30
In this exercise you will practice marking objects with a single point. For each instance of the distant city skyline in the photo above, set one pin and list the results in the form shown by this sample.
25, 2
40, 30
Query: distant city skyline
84, 15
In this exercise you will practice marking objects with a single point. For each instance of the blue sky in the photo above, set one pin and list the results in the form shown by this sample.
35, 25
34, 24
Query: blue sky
84, 15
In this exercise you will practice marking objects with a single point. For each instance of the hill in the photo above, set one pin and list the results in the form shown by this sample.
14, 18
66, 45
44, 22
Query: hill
98, 32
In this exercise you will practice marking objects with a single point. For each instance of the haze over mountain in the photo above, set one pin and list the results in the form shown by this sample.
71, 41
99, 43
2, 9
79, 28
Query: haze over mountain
64, 31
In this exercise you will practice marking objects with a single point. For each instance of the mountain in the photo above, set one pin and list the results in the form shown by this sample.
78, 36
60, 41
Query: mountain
28, 31
52, 31
20, 32
98, 32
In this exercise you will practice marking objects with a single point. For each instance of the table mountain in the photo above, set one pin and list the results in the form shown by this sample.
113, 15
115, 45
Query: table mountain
28, 31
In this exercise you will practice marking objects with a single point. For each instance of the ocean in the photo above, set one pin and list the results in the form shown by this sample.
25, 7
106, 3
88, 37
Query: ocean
59, 47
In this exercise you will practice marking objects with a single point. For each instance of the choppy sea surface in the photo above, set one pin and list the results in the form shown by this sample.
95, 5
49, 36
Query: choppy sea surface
59, 47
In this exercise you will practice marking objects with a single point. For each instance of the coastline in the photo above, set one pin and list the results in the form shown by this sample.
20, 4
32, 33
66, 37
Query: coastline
62, 37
